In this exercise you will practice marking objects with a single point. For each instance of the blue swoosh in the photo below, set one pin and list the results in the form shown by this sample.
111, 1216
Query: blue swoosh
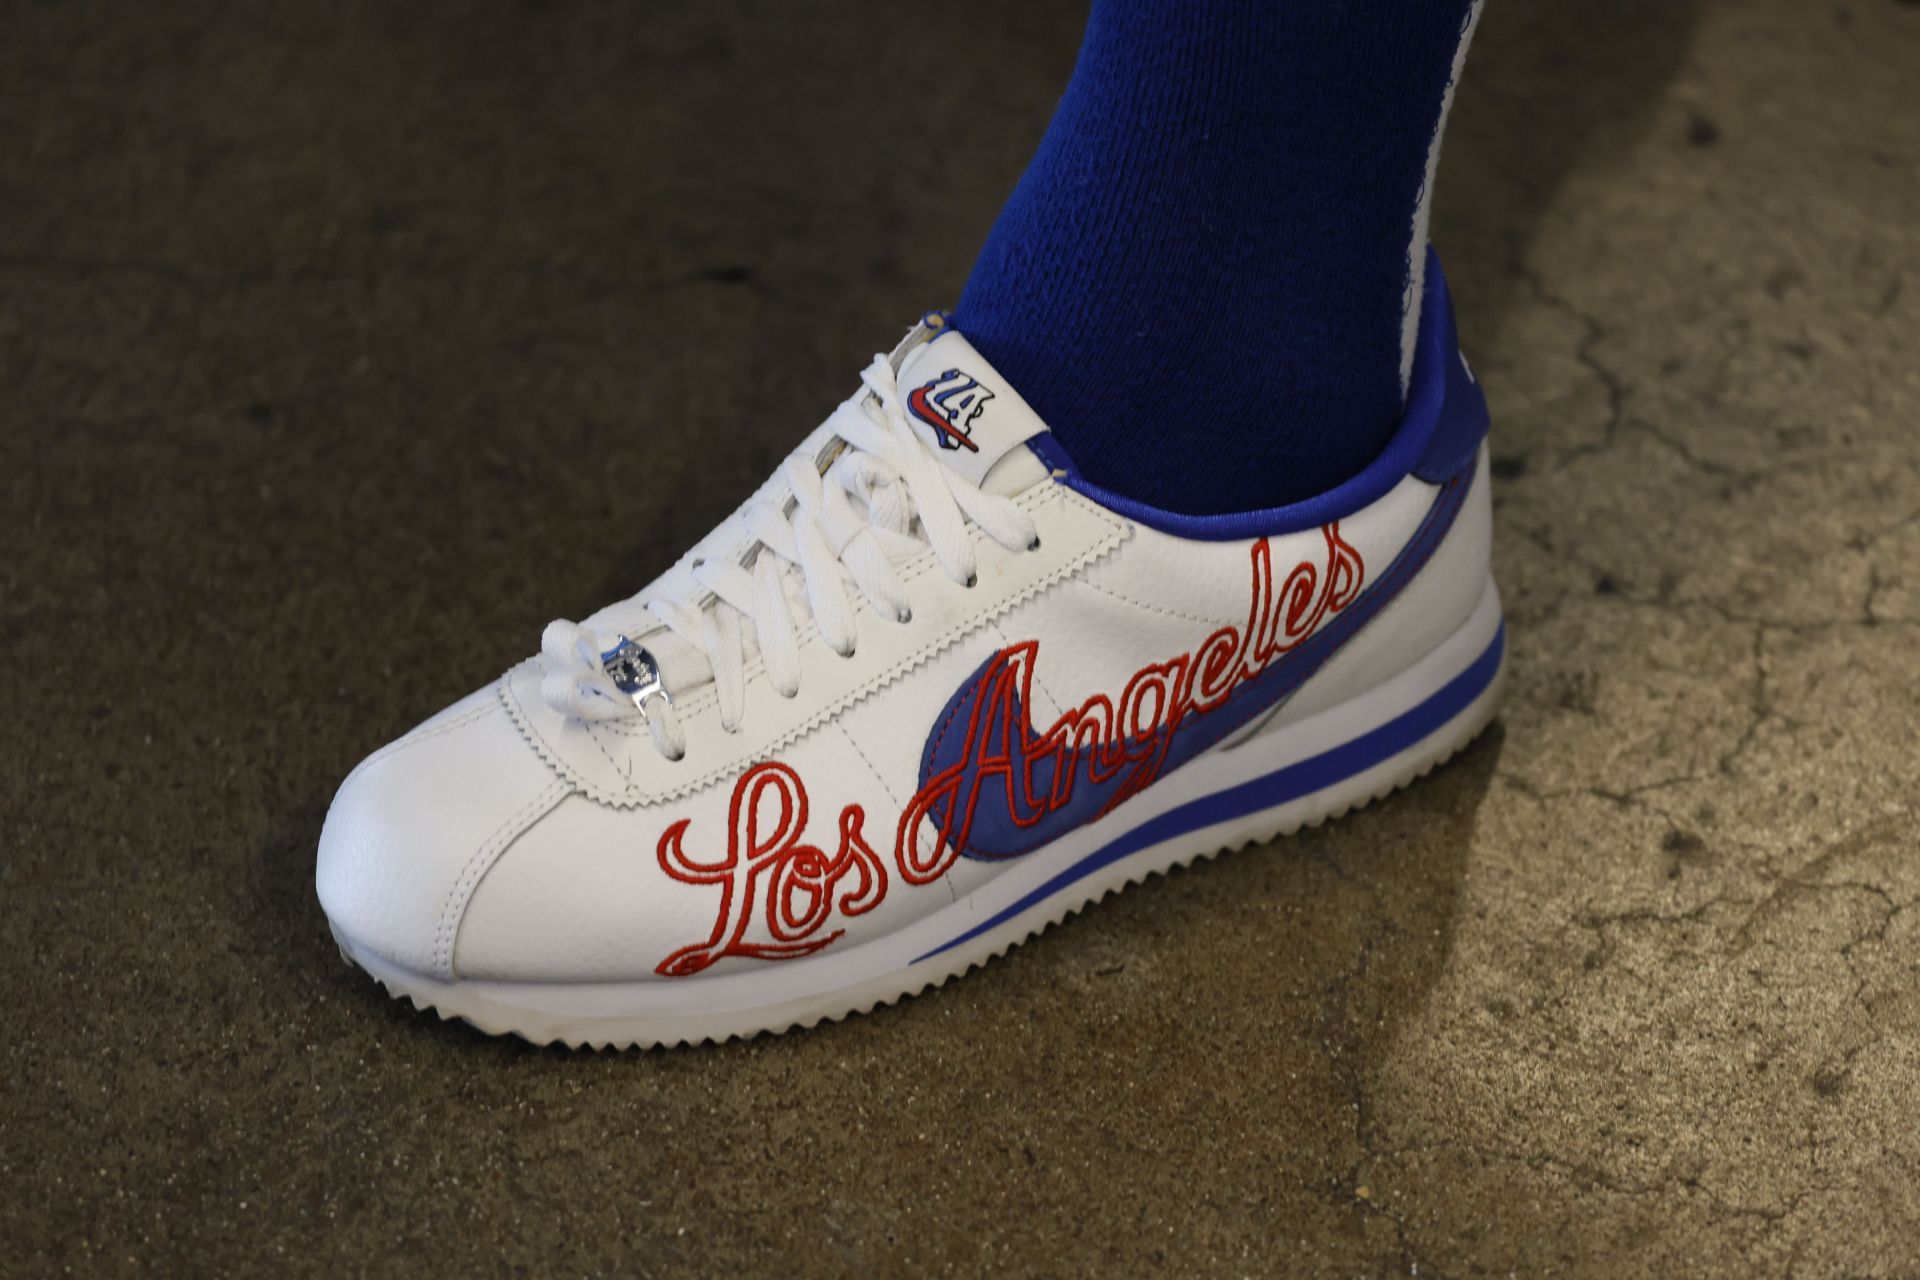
995, 836
1305, 777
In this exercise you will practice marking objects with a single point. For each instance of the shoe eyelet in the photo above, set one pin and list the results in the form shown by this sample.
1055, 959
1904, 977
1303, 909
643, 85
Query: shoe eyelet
903, 617
851, 650
973, 580
1035, 544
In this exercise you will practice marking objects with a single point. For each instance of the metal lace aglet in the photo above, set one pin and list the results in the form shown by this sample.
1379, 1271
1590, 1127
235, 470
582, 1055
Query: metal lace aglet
635, 674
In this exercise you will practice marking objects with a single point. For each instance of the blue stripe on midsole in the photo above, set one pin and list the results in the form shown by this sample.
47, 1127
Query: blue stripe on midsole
1302, 778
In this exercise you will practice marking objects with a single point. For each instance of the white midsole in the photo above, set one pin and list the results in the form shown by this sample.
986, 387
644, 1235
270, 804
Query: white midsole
836, 982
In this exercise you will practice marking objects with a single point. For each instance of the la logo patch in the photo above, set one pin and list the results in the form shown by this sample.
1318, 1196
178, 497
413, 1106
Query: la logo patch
950, 404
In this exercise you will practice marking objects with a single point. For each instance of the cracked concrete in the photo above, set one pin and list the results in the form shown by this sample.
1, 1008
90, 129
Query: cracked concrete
343, 346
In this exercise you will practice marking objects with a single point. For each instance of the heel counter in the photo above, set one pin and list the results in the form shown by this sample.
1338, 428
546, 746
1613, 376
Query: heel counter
1432, 608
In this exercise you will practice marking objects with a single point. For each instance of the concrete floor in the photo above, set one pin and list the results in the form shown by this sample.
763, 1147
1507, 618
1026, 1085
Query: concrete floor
343, 346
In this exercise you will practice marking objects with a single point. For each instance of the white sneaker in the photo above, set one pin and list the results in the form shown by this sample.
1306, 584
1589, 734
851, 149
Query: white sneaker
925, 694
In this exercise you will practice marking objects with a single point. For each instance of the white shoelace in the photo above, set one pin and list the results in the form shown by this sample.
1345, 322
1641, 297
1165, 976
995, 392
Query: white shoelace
826, 538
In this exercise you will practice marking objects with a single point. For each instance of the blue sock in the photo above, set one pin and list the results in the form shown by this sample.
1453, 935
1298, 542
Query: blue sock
1202, 281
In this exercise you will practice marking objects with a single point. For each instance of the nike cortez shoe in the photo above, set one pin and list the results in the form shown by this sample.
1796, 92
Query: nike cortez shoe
928, 692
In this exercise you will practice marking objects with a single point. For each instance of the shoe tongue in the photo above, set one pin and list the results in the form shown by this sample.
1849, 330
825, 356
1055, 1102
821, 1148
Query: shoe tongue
975, 421
959, 404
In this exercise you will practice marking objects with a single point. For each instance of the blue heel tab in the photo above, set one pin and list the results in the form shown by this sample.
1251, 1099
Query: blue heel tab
1457, 418
1439, 434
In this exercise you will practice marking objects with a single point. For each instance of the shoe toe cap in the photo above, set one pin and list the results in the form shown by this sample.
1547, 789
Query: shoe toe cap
418, 823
